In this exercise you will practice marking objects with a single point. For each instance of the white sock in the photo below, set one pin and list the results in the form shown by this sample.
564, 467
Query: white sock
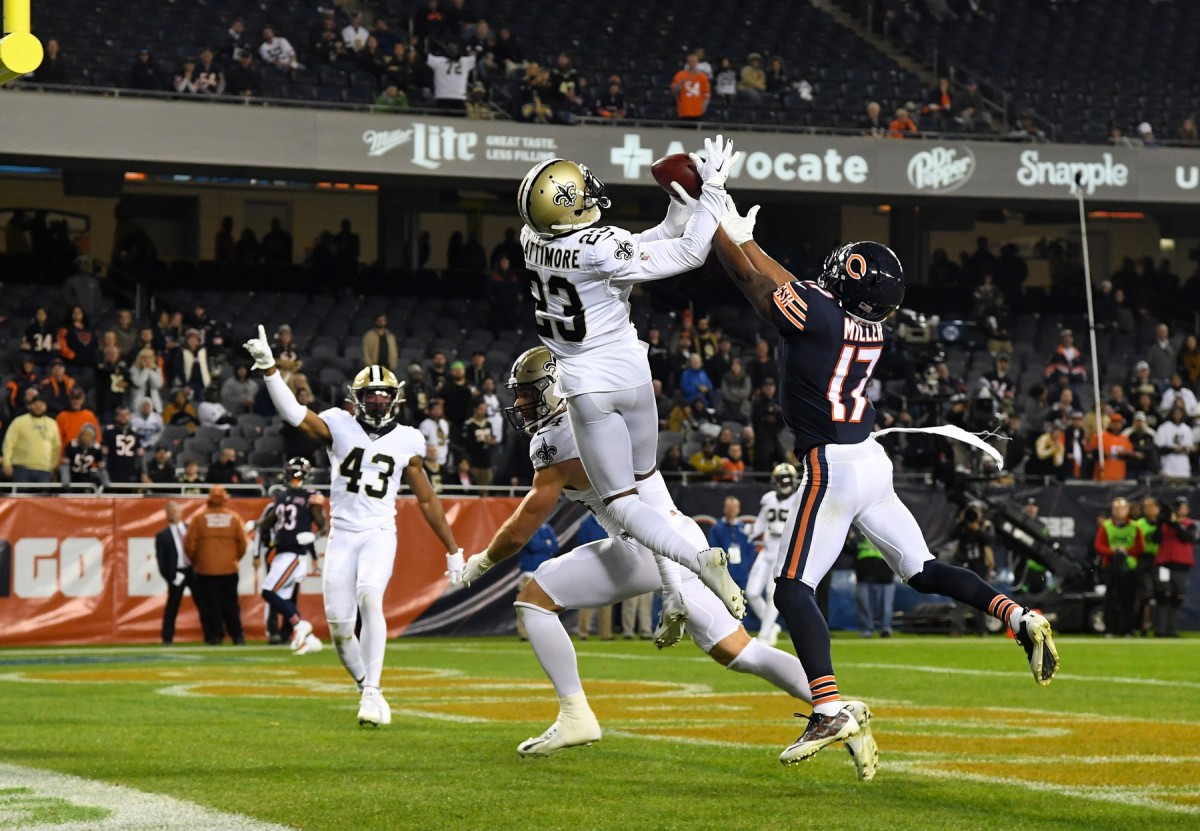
1014, 619
574, 706
776, 667
373, 634
653, 491
829, 708
348, 649
553, 648
668, 572
649, 527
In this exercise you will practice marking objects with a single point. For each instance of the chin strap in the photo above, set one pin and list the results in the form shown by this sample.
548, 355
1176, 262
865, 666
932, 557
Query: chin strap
951, 432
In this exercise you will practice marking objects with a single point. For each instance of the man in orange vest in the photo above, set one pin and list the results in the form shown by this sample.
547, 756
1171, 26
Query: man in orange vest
1117, 448
216, 541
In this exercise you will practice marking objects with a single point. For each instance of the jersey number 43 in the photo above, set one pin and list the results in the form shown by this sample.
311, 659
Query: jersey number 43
351, 468
854, 367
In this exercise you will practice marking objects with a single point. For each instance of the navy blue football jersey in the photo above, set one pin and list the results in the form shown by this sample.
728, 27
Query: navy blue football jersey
293, 514
825, 359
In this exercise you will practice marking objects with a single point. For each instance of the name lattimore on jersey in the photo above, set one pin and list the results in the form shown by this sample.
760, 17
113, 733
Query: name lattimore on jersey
557, 257
853, 330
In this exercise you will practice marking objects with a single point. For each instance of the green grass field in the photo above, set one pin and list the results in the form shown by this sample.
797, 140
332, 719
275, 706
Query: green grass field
968, 740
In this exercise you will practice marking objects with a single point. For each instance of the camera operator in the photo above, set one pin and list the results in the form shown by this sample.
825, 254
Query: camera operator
1119, 544
1177, 539
974, 551
1029, 576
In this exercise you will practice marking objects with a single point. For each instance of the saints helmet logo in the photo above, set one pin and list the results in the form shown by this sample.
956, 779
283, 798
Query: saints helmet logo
565, 194
546, 453
624, 250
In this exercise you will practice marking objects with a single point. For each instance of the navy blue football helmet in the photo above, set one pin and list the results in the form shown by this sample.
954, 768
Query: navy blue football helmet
866, 278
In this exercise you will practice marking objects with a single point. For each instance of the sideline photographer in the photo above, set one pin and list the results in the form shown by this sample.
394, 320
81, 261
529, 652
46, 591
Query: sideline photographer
974, 551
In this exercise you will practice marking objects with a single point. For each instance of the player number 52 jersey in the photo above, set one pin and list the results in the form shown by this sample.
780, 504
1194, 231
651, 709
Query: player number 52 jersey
367, 467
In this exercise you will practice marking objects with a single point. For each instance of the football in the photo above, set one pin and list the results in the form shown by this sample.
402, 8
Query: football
678, 167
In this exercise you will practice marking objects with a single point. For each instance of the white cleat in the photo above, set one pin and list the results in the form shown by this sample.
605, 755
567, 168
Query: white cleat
769, 635
714, 573
671, 622
373, 710
861, 746
312, 644
300, 634
563, 733
1037, 639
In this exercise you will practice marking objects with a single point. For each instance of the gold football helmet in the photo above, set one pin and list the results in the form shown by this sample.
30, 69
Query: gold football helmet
559, 196
377, 395
532, 380
785, 479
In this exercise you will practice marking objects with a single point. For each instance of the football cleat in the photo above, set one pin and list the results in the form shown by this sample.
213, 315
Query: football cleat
1037, 639
769, 635
300, 635
861, 746
821, 731
373, 710
577, 731
714, 573
312, 644
671, 621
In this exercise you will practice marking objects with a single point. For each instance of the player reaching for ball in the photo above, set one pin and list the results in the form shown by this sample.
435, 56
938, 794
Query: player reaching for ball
831, 337
581, 278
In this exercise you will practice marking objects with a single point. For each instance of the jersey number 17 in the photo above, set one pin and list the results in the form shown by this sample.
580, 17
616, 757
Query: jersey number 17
853, 361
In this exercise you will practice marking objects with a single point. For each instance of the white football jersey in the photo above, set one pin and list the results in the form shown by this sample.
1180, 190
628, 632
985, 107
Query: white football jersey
581, 293
772, 517
555, 444
367, 468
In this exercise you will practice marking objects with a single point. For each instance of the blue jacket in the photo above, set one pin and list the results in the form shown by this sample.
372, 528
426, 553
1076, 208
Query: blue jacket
690, 380
542, 547
735, 542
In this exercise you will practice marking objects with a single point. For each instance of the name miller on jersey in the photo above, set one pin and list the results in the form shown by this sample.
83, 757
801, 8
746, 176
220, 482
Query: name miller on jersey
858, 331
539, 253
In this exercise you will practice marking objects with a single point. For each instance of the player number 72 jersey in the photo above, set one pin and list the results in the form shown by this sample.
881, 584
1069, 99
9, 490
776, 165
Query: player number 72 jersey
367, 468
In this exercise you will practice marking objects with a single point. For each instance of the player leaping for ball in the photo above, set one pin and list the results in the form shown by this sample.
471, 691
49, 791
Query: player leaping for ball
581, 278
610, 571
369, 452
830, 338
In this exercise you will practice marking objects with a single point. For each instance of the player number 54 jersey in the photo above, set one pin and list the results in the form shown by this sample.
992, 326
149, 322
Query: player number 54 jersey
367, 467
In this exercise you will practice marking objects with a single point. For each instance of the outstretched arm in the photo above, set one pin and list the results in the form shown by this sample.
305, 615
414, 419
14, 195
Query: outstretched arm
534, 509
290, 410
757, 286
435, 517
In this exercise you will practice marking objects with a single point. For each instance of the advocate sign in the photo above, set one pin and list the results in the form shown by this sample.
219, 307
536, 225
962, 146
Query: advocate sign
188, 137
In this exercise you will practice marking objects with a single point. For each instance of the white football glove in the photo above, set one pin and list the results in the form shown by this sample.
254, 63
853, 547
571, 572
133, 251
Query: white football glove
477, 565
454, 567
718, 160
306, 538
179, 578
679, 211
738, 228
260, 350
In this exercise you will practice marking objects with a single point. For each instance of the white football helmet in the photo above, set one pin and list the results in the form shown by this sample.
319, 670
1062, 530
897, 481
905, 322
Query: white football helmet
558, 196
377, 395
532, 381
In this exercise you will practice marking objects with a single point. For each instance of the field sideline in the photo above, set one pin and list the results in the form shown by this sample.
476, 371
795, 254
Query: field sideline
968, 740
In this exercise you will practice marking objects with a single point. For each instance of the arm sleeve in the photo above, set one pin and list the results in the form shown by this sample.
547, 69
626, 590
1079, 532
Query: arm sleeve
290, 410
624, 259
789, 308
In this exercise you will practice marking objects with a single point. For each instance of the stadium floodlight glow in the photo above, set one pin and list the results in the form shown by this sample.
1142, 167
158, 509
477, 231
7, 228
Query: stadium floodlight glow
20, 51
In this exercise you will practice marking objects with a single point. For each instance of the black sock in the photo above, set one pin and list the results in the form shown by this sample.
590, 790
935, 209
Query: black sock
284, 607
797, 603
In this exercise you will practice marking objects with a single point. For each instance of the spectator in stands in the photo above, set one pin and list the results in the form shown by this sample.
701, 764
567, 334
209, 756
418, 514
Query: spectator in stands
1143, 458
478, 107
1075, 465
1161, 355
53, 69
379, 345
693, 421
432, 469
277, 51
612, 104
1175, 441
355, 35
192, 477
450, 75
694, 382
1185, 135
397, 70
224, 247
1118, 403
212, 412
416, 395
941, 106
348, 248
436, 431
536, 96
718, 364
145, 73
71, 420
1178, 394
1049, 451
478, 372
180, 411
439, 371
509, 51
210, 79
753, 80
371, 59
495, 409
247, 251
146, 378
189, 367
874, 125
1117, 138
32, 445
123, 452
733, 466
777, 77
384, 36
147, 424
327, 45
77, 345
1142, 384
112, 382
1027, 129
564, 79
235, 39
82, 459
1116, 448
288, 359
391, 100
126, 332
726, 82
1146, 134
1065, 365
277, 245
458, 396
902, 125
706, 461
462, 478
972, 111
24, 379
41, 339
763, 365
767, 416
673, 461
479, 442
225, 471
242, 78
56, 388
1188, 362
159, 469
1002, 384
186, 79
